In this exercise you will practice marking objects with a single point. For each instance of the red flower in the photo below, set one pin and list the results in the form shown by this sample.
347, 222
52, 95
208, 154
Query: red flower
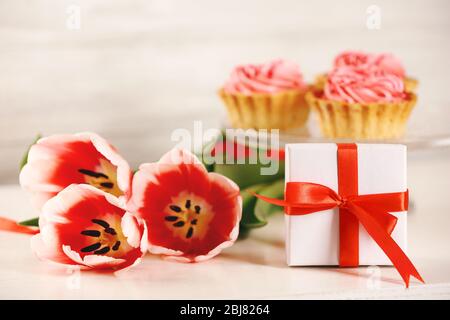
85, 226
58, 161
191, 214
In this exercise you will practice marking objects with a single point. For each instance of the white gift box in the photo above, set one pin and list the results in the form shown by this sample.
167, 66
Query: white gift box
313, 239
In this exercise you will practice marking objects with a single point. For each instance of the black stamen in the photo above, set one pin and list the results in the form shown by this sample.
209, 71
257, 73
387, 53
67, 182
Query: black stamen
178, 224
189, 232
175, 208
102, 223
197, 209
111, 231
108, 185
194, 222
188, 204
102, 250
116, 246
91, 233
92, 247
171, 218
93, 173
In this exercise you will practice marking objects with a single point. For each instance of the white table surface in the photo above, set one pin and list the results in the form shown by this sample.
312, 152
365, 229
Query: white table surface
137, 70
254, 268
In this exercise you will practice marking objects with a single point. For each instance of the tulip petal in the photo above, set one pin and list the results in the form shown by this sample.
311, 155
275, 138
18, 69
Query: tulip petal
49, 253
93, 261
131, 230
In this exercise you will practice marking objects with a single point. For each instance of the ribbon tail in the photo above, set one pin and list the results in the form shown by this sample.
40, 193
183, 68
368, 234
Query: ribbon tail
399, 259
300, 207
277, 202
12, 226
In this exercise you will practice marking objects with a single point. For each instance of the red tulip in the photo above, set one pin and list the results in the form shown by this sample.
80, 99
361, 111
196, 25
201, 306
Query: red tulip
58, 161
85, 226
191, 214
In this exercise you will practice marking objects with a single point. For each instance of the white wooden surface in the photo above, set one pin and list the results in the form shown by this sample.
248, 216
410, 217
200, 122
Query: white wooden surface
254, 268
138, 69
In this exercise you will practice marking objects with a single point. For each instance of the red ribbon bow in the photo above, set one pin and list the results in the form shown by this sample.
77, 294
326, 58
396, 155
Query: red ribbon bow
372, 211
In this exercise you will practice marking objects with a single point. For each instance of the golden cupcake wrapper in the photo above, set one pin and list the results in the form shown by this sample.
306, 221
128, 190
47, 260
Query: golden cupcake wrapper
319, 82
339, 119
284, 110
411, 84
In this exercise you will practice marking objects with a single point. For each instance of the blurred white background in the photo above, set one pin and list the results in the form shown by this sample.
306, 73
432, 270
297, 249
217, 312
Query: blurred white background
136, 70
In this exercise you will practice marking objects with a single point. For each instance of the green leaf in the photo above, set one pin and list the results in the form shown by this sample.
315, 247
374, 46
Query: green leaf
249, 220
244, 232
255, 211
31, 222
264, 209
25, 156
246, 174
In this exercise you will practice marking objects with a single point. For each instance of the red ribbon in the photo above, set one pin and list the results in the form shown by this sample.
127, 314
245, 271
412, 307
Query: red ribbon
12, 226
372, 211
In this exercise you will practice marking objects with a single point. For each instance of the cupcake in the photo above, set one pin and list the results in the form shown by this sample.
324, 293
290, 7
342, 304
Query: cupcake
266, 96
384, 61
362, 103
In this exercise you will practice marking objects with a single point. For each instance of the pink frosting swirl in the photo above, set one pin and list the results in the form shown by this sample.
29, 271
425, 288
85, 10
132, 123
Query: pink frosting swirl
272, 77
384, 61
360, 85
390, 64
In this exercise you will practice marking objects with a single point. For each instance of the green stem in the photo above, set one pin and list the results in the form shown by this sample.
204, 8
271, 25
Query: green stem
31, 222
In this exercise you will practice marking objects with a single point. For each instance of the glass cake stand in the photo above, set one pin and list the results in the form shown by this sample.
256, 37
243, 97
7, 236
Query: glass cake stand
428, 128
